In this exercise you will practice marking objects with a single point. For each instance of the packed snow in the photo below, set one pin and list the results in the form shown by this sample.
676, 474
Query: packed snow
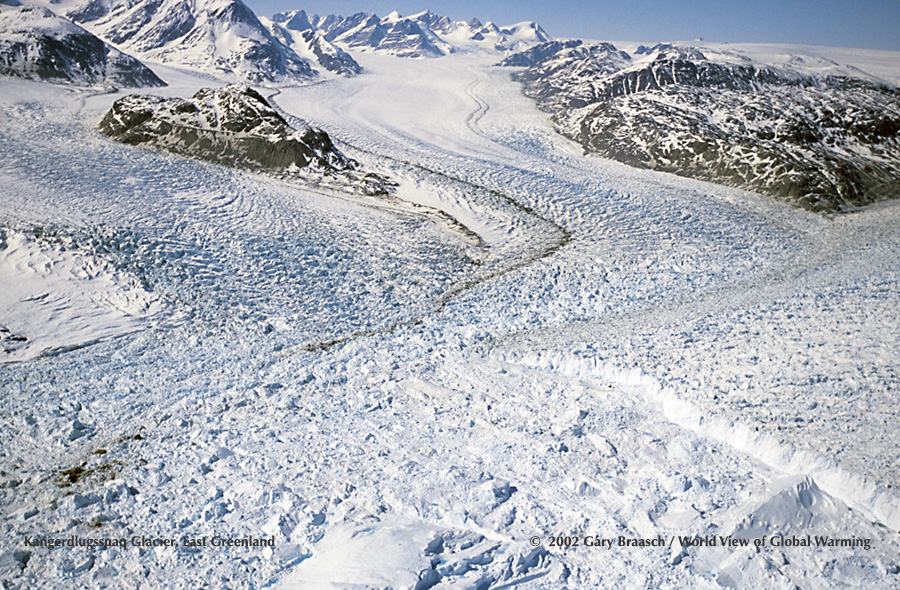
521, 349
54, 299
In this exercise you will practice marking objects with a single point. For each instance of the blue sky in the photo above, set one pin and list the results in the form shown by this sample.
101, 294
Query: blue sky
873, 24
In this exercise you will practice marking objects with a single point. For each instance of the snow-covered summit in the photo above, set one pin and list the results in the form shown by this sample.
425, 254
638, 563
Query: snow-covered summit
424, 34
293, 29
36, 43
220, 37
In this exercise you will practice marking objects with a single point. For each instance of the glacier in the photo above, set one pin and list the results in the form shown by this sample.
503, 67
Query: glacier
427, 388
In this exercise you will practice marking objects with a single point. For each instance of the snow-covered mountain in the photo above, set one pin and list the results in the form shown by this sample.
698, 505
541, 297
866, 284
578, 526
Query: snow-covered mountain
420, 35
313, 45
221, 37
234, 126
531, 56
803, 129
226, 39
35, 43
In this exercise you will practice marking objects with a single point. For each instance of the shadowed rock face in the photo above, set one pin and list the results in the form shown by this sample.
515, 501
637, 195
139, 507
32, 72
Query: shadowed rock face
37, 44
331, 57
824, 138
233, 126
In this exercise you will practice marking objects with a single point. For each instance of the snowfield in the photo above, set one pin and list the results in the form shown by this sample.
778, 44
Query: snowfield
61, 299
523, 345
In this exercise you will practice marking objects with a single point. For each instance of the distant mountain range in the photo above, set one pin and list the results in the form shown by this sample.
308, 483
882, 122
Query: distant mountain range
226, 39
805, 130
421, 35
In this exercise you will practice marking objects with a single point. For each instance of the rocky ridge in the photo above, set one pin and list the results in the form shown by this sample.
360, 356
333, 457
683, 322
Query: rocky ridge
538, 53
810, 132
310, 43
235, 126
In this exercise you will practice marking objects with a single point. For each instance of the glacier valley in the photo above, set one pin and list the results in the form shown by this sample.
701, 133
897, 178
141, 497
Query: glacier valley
485, 377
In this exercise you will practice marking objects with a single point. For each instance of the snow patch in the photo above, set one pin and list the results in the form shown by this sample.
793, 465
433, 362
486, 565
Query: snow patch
57, 299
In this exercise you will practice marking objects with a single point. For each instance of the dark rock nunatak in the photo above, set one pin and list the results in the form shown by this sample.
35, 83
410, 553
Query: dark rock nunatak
234, 126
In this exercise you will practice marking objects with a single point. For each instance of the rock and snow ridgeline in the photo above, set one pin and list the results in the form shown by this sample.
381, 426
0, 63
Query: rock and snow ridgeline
420, 35
811, 132
37, 44
220, 37
234, 126
226, 39
313, 45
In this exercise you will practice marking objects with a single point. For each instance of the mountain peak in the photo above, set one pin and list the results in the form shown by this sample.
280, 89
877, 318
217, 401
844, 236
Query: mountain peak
36, 43
221, 37
424, 34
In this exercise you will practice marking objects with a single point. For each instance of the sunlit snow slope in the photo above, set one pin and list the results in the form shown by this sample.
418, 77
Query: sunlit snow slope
420, 390
53, 299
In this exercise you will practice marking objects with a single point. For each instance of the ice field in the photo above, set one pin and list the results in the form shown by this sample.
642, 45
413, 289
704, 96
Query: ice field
424, 390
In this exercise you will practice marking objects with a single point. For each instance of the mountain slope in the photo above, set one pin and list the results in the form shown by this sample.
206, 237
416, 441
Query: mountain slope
538, 53
312, 44
221, 37
808, 131
35, 43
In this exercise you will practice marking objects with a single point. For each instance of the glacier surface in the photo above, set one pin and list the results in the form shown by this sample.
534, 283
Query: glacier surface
426, 390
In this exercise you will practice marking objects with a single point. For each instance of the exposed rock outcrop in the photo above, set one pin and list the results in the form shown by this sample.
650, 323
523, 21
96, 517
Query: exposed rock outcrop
234, 126
811, 132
